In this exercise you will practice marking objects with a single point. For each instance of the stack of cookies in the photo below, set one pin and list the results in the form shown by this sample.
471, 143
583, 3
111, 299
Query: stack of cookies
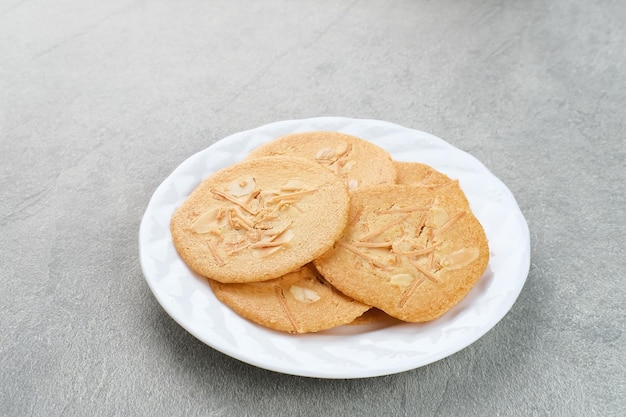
320, 229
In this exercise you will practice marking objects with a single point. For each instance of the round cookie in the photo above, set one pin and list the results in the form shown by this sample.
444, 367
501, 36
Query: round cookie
259, 219
410, 251
298, 302
357, 161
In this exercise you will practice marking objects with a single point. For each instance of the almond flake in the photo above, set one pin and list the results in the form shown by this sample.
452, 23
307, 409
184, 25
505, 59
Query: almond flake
325, 154
409, 291
401, 280
439, 216
449, 223
293, 185
342, 149
278, 292
208, 221
290, 197
373, 244
425, 272
233, 200
216, 256
304, 295
459, 258
265, 248
367, 257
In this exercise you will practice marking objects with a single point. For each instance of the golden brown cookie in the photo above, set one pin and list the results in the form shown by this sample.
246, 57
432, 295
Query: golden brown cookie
259, 219
411, 251
357, 161
298, 302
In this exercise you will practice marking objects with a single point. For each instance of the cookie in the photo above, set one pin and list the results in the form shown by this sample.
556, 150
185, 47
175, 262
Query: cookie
298, 302
259, 219
410, 251
359, 162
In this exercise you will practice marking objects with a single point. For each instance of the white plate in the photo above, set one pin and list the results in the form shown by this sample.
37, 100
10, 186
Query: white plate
348, 351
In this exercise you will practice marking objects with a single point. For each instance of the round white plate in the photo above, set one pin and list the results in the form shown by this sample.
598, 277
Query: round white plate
347, 351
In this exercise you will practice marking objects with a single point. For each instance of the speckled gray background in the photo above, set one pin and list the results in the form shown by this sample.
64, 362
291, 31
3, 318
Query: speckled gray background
100, 100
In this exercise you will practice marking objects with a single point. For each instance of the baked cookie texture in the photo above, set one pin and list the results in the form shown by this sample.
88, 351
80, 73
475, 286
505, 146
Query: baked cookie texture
411, 251
416, 173
359, 162
260, 219
422, 175
298, 302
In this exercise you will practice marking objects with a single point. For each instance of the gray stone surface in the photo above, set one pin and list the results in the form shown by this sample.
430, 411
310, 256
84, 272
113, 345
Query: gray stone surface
100, 100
